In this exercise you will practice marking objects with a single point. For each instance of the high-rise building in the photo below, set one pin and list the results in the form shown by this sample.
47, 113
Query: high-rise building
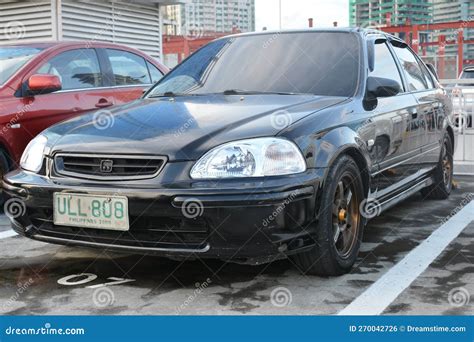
136, 23
455, 10
200, 16
376, 13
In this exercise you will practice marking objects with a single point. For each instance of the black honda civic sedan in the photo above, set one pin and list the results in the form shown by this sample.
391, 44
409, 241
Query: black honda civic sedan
257, 147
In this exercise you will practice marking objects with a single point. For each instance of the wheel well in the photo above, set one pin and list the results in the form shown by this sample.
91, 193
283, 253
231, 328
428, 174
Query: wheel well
451, 135
7, 155
362, 164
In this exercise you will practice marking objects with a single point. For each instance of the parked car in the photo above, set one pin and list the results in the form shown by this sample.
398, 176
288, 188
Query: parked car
463, 99
252, 149
42, 84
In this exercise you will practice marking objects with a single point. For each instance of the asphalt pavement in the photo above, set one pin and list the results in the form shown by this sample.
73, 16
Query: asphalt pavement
417, 258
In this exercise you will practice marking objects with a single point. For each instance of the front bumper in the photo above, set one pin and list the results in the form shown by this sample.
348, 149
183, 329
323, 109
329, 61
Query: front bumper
235, 220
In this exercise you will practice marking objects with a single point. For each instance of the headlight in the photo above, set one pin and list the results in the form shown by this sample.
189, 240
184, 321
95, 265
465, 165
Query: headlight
258, 157
32, 158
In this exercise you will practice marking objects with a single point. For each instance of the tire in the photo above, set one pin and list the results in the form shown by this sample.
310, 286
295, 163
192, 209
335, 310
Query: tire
442, 174
4, 168
335, 253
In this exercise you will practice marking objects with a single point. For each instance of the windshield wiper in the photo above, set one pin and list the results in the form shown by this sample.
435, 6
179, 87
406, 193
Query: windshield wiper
256, 92
227, 92
172, 94
167, 94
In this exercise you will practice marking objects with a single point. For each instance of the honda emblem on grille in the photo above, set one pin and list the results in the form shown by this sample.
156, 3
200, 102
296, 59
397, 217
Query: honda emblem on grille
106, 166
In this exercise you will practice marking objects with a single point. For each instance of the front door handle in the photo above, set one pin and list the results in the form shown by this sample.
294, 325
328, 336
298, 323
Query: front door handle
104, 103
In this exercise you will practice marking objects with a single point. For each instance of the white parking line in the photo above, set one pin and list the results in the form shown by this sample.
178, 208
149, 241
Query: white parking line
385, 290
7, 234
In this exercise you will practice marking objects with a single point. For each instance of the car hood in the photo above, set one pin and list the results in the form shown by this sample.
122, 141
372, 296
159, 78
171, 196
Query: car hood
182, 128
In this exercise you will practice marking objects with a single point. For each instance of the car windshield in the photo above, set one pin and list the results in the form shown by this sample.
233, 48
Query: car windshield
321, 63
13, 58
467, 74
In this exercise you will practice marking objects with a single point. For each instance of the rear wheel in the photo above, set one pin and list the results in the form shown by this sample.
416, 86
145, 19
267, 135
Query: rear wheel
442, 174
339, 232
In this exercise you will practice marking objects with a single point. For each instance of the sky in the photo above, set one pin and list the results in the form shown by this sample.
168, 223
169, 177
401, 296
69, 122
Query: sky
295, 13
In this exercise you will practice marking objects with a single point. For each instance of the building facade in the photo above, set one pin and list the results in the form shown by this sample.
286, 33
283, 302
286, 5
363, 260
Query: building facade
134, 23
455, 10
373, 13
198, 17
380, 13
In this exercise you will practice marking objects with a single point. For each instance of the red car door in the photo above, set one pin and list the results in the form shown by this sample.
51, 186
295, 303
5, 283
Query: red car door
82, 91
92, 79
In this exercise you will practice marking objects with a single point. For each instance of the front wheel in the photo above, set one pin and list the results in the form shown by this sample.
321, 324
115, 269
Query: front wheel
339, 232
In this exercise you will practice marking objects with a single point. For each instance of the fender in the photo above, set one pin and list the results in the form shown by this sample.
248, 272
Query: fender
341, 141
322, 149
337, 142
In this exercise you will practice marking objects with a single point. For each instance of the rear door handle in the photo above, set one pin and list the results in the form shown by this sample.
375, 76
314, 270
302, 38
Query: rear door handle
104, 103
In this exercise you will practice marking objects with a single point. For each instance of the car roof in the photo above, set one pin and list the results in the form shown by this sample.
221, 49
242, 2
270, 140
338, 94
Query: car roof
359, 30
64, 43
364, 32
469, 68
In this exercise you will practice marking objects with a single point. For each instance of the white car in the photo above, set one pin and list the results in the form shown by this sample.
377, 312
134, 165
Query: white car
463, 99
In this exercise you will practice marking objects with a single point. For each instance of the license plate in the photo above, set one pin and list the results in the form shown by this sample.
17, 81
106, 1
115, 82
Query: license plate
91, 211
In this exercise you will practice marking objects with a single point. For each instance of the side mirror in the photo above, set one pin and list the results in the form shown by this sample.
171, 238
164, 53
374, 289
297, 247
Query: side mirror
43, 84
432, 68
382, 87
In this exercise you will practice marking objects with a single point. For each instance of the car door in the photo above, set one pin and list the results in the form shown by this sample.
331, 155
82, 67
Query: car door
130, 74
82, 91
426, 119
396, 146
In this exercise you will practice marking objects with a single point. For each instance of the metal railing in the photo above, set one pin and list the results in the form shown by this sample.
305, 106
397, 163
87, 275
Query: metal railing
462, 96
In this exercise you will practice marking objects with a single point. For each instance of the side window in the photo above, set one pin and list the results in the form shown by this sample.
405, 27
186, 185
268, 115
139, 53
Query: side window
155, 73
413, 71
128, 68
427, 75
385, 65
77, 69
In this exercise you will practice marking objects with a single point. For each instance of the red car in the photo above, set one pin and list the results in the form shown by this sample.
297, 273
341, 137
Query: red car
42, 84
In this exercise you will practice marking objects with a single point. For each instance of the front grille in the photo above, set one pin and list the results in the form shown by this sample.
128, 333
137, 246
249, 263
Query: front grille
116, 167
152, 232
